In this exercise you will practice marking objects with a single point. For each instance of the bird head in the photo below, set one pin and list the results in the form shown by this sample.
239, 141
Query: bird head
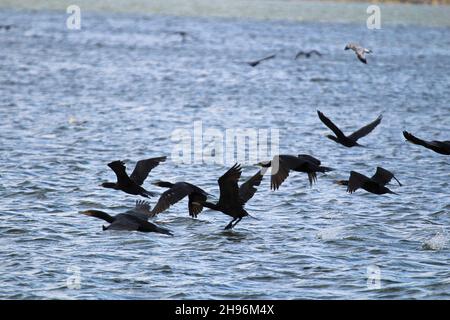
264, 164
91, 212
107, 185
330, 136
163, 184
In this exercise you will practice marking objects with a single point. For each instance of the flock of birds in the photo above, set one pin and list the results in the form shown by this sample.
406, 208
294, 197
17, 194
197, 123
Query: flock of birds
233, 197
359, 51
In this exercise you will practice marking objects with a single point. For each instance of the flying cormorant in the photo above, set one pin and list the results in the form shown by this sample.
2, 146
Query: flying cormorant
307, 54
282, 164
132, 184
376, 184
351, 140
178, 191
233, 198
132, 220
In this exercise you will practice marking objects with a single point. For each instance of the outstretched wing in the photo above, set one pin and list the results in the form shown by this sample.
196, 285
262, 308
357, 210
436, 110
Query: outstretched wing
247, 189
143, 168
142, 210
281, 165
330, 125
228, 185
383, 176
316, 52
427, 144
364, 131
120, 170
299, 54
356, 181
195, 203
172, 196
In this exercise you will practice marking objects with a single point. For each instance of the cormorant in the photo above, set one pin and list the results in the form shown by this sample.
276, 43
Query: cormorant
351, 140
285, 163
375, 184
307, 54
255, 63
360, 51
132, 184
442, 147
132, 220
178, 191
233, 198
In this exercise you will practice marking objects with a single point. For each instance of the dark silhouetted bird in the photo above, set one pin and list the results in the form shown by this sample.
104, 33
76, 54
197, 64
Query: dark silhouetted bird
351, 140
442, 147
376, 184
255, 63
177, 191
282, 164
135, 219
307, 54
233, 198
359, 51
132, 184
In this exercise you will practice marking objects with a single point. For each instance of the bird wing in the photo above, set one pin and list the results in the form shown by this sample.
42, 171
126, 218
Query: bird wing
281, 165
195, 203
408, 136
316, 52
142, 210
300, 53
330, 125
356, 181
143, 168
120, 170
364, 131
228, 185
361, 54
309, 158
268, 57
247, 189
172, 196
383, 176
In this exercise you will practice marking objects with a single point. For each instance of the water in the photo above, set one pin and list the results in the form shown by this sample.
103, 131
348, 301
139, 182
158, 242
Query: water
73, 101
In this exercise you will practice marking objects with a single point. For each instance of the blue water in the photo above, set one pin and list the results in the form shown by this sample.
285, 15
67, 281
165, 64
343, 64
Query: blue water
72, 101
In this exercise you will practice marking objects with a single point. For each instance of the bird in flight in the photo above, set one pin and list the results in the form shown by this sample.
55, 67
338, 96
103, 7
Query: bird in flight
176, 192
442, 147
359, 51
256, 62
233, 198
133, 184
135, 219
283, 164
307, 54
351, 140
376, 184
